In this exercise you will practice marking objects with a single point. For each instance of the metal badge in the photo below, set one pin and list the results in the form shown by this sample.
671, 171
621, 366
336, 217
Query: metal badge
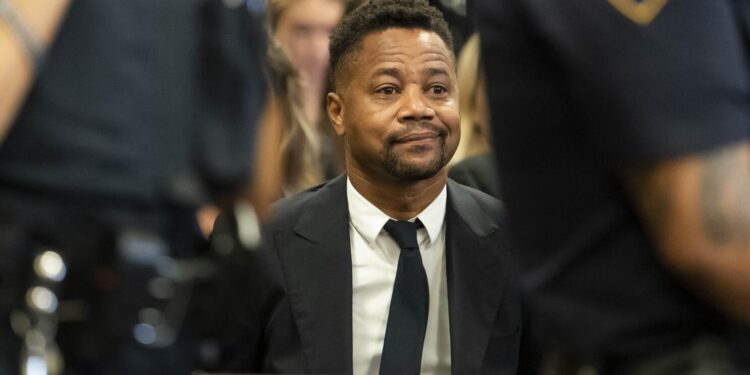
640, 12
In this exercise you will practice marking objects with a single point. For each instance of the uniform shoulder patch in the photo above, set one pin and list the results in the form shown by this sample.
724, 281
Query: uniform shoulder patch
640, 12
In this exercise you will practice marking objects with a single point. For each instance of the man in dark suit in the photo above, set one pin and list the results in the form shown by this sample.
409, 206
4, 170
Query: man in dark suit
392, 268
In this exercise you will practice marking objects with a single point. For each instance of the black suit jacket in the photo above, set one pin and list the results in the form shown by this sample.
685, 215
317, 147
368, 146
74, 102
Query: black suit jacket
298, 314
478, 172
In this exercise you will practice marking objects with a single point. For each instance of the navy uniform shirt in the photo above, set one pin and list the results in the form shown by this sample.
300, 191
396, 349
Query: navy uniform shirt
580, 91
139, 100
88, 123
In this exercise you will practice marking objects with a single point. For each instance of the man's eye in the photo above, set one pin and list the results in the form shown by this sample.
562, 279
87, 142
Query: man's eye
438, 90
388, 90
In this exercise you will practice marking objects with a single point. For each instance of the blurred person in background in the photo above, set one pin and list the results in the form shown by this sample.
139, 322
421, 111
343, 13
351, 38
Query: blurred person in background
114, 130
473, 164
296, 148
301, 29
621, 130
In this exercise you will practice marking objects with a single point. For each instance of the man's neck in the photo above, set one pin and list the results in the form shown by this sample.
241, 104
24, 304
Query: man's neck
401, 200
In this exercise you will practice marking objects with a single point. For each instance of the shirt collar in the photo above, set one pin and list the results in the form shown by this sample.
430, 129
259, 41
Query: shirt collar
369, 220
433, 216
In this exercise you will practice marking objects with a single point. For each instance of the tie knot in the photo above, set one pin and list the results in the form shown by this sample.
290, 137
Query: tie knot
404, 232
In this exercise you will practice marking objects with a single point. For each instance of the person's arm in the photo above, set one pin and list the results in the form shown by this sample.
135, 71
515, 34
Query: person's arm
42, 19
697, 209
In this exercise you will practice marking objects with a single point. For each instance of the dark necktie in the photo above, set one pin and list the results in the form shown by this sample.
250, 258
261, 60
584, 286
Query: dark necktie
407, 319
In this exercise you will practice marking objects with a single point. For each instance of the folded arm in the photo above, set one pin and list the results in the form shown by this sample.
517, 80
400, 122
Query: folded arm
697, 209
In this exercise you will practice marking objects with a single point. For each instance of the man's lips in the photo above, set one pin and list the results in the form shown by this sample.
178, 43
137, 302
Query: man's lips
417, 136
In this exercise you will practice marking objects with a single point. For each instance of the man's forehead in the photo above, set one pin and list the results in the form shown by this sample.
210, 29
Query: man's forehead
398, 45
377, 46
384, 40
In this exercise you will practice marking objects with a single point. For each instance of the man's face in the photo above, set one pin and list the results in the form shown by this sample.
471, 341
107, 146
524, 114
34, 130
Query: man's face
303, 31
397, 105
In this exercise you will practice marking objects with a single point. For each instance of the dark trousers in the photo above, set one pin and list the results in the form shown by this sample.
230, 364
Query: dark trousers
99, 299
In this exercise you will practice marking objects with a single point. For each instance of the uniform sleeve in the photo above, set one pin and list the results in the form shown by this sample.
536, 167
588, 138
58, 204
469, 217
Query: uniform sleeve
642, 80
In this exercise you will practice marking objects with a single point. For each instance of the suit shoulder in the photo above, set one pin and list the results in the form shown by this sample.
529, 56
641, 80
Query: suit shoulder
477, 195
287, 210
490, 204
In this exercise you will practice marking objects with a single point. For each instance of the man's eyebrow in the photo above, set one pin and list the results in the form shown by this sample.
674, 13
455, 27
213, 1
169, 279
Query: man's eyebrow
436, 71
393, 72
396, 73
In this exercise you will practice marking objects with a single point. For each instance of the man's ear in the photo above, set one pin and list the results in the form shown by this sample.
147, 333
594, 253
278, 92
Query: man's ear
335, 109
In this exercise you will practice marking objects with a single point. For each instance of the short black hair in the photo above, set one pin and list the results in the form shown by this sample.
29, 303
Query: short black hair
379, 15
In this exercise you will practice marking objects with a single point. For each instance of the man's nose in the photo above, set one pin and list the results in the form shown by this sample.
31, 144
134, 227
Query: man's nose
415, 106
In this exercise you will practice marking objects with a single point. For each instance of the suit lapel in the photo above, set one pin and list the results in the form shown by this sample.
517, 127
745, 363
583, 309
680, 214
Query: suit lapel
475, 279
317, 268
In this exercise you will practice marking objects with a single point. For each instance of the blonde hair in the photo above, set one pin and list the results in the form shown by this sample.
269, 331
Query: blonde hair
304, 146
475, 139
299, 148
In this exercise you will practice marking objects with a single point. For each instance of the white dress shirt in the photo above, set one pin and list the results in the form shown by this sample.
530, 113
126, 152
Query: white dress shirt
374, 264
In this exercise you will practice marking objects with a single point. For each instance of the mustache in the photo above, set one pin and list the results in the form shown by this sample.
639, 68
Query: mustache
418, 127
